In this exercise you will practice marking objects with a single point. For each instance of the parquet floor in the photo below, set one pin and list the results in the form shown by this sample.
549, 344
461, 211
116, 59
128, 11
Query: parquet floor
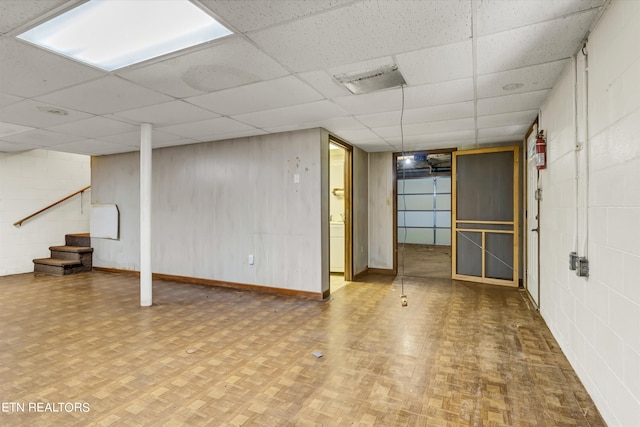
459, 355
424, 261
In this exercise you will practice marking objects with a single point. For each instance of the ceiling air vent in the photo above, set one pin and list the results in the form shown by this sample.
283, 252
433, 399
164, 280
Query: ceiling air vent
370, 81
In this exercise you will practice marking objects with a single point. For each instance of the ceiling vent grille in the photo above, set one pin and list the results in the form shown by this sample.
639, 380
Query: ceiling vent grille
370, 81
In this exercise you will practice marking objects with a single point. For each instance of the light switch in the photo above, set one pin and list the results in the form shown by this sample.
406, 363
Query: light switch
296, 178
250, 259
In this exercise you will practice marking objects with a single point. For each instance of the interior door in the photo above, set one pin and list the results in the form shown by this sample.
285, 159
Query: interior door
485, 216
533, 212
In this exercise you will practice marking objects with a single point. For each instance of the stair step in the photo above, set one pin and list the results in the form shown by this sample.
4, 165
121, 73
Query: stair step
59, 267
78, 239
57, 262
74, 249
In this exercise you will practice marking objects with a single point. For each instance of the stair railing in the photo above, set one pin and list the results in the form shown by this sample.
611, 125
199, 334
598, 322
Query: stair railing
19, 223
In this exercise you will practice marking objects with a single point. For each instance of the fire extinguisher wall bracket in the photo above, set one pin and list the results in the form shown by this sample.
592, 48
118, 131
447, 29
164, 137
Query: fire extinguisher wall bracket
541, 151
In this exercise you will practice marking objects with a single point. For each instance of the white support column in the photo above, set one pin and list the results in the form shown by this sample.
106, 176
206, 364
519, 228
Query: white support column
146, 298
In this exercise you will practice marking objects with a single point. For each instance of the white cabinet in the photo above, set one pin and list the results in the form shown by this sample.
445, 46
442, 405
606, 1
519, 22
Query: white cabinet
336, 247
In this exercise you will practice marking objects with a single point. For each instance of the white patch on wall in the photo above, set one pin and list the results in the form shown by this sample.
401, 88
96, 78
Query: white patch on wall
104, 222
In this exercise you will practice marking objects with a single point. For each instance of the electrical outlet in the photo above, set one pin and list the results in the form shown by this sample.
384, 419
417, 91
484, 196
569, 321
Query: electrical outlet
583, 267
573, 261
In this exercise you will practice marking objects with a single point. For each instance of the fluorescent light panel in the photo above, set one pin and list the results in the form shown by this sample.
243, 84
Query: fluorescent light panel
112, 34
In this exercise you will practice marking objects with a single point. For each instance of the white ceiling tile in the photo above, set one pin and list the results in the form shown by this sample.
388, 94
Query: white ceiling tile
14, 147
248, 15
305, 113
499, 15
516, 131
450, 92
106, 95
207, 129
9, 99
28, 71
258, 96
512, 103
544, 42
436, 145
357, 135
158, 138
93, 147
365, 30
459, 110
517, 118
532, 78
42, 138
375, 146
35, 114
444, 139
168, 113
94, 127
369, 103
15, 13
324, 83
8, 129
227, 63
498, 139
333, 124
437, 64
426, 128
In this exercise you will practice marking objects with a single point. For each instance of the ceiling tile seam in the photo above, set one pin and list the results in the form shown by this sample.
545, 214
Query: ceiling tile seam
299, 18
566, 15
524, 67
42, 17
474, 59
515, 94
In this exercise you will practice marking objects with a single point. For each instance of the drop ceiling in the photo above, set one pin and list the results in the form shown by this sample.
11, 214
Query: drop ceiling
477, 72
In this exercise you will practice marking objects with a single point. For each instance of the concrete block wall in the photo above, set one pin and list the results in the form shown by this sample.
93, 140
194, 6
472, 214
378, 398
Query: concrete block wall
596, 320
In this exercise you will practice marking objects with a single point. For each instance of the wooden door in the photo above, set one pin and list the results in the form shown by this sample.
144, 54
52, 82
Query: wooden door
484, 233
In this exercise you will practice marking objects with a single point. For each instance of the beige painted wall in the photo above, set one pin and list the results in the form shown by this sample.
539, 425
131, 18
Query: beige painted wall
360, 210
214, 204
381, 210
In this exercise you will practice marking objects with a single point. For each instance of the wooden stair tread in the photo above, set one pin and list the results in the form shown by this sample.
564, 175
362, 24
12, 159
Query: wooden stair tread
76, 249
57, 262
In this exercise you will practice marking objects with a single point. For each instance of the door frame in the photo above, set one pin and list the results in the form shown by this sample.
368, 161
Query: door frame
528, 209
348, 204
395, 194
515, 223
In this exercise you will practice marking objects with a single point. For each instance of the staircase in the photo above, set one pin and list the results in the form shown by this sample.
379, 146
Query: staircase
75, 257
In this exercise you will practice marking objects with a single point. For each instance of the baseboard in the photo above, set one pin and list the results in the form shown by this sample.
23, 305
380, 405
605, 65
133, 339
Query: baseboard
219, 283
386, 271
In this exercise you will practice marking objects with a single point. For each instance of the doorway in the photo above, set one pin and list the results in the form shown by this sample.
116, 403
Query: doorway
422, 209
340, 217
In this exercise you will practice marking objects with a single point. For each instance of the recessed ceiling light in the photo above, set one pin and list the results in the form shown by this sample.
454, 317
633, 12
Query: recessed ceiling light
114, 34
512, 86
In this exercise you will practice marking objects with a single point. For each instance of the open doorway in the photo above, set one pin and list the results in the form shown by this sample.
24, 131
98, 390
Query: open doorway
423, 214
340, 219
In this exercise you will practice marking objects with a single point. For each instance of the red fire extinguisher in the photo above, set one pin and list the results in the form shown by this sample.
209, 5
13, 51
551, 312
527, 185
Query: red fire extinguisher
541, 151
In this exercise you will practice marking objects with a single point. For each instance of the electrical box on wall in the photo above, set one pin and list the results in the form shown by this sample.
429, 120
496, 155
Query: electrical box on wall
583, 267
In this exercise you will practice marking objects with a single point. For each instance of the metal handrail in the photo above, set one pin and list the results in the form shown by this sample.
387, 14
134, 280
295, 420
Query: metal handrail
19, 223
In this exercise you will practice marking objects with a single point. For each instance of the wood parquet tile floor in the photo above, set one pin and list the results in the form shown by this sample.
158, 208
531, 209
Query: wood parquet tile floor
460, 354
